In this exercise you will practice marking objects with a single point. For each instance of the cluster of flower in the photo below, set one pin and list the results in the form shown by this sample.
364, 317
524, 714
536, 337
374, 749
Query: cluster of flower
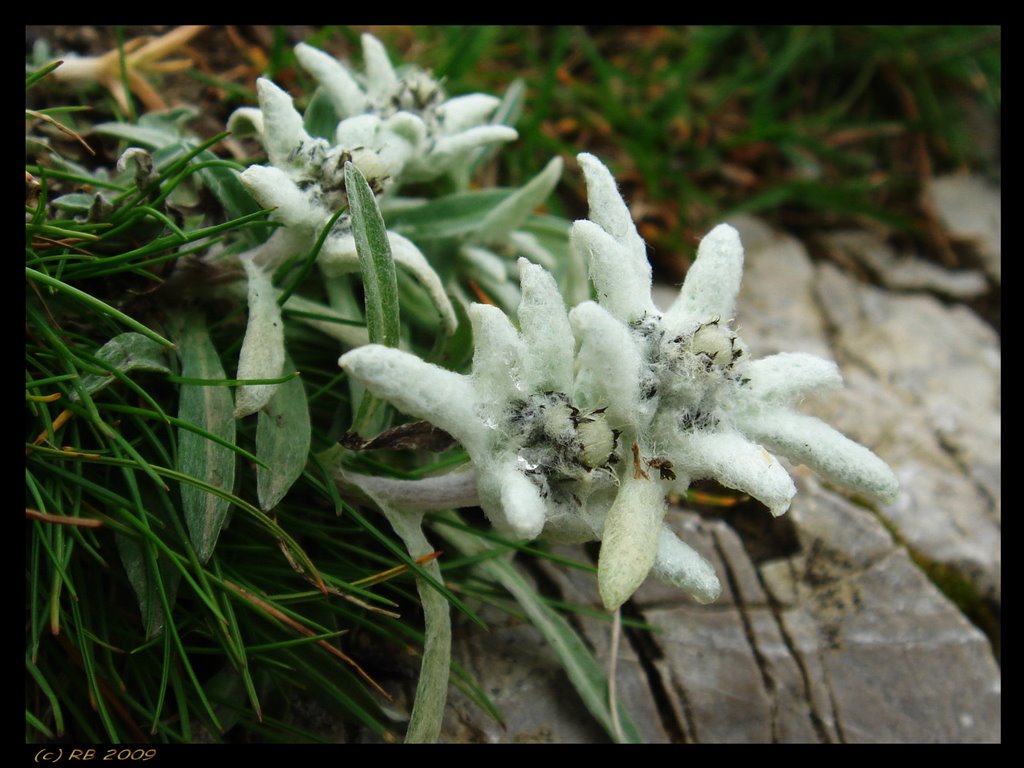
578, 423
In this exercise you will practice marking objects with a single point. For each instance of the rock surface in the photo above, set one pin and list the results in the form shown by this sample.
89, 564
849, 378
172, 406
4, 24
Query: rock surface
971, 210
829, 628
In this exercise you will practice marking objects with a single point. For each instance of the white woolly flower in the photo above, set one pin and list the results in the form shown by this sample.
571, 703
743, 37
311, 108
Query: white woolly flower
406, 118
681, 387
305, 184
543, 466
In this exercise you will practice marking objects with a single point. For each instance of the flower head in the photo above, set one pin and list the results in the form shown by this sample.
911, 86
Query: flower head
537, 457
305, 184
683, 389
419, 133
544, 466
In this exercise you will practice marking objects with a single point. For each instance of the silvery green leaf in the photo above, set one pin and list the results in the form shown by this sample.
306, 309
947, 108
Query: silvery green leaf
376, 264
138, 566
125, 352
282, 441
153, 137
144, 174
328, 320
452, 216
262, 353
75, 203
210, 408
513, 211
432, 686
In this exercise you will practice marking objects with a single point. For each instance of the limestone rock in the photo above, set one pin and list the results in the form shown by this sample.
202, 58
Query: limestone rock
971, 210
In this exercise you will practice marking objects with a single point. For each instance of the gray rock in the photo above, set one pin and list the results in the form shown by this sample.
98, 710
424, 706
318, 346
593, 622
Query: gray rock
970, 209
522, 677
905, 273
923, 390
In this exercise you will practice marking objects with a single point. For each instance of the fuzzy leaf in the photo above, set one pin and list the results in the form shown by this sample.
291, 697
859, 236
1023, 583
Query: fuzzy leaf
262, 353
209, 407
137, 566
513, 211
629, 543
452, 216
125, 352
432, 687
380, 286
282, 441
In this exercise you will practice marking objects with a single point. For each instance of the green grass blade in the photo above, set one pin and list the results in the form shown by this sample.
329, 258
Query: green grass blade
96, 305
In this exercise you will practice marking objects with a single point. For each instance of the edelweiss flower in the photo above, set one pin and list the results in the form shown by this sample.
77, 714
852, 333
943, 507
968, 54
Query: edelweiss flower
543, 465
682, 389
305, 183
512, 413
419, 133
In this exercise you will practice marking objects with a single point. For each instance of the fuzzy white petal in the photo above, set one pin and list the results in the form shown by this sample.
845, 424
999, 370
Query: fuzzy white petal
827, 451
358, 131
262, 353
273, 188
450, 149
678, 564
522, 504
338, 256
630, 541
622, 287
712, 282
245, 121
419, 389
608, 210
283, 130
608, 366
411, 259
546, 331
341, 88
402, 137
462, 112
789, 375
497, 355
735, 462
380, 75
